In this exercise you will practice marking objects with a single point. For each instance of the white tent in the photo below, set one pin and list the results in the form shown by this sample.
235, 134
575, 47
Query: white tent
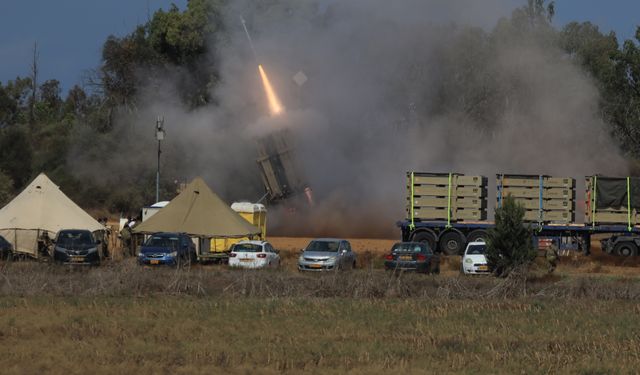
41, 207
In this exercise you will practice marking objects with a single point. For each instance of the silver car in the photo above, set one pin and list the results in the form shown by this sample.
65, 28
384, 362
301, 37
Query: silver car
324, 254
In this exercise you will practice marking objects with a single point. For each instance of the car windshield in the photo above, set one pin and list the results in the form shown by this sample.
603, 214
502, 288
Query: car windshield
74, 238
476, 249
162, 241
407, 248
323, 246
247, 248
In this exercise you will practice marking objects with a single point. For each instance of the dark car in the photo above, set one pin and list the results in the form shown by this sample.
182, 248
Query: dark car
167, 248
5, 248
76, 246
413, 256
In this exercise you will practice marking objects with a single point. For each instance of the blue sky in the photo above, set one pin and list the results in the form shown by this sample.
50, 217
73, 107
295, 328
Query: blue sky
70, 33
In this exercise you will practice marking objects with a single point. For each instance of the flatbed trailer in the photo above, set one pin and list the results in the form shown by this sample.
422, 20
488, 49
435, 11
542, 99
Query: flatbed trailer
451, 238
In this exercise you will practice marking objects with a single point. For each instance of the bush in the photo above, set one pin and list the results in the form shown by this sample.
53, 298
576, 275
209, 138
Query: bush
509, 243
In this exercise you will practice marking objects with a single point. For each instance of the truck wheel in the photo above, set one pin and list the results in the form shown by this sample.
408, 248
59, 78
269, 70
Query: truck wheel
427, 237
625, 249
477, 235
451, 243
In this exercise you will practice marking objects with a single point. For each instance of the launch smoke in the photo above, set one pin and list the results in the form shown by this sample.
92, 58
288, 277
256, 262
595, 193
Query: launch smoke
392, 86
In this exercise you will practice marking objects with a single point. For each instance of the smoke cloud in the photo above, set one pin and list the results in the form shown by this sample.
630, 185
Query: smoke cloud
393, 86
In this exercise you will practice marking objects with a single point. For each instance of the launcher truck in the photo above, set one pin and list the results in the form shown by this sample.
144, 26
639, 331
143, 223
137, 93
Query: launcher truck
449, 210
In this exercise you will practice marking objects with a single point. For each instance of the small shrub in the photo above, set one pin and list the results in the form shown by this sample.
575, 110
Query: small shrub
509, 243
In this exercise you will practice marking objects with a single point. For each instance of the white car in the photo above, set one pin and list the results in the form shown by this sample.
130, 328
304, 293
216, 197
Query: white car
253, 254
473, 260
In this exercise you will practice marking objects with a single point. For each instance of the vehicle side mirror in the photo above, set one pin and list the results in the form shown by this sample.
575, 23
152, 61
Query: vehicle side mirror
53, 241
98, 242
276, 251
302, 250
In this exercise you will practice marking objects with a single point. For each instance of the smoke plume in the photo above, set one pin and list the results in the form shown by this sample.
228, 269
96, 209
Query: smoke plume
393, 86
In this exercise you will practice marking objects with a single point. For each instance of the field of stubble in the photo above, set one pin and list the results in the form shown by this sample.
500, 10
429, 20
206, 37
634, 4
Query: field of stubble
121, 318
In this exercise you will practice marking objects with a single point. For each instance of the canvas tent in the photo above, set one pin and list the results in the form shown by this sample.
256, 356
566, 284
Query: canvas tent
40, 207
198, 212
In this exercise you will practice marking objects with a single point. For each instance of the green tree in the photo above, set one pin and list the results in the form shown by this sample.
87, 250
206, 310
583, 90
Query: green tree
16, 155
172, 42
509, 243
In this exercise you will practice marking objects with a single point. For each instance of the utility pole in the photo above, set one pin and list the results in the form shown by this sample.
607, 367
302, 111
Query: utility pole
160, 138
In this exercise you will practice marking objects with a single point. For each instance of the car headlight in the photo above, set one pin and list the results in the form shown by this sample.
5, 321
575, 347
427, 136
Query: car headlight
332, 259
468, 260
174, 254
92, 250
140, 255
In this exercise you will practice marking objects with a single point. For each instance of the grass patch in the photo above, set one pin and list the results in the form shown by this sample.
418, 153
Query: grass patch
292, 335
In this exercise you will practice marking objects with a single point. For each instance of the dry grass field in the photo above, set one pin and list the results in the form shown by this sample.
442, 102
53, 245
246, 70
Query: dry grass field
190, 335
122, 318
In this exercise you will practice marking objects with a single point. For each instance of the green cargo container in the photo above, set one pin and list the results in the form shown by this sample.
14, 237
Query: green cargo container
547, 193
547, 204
443, 191
443, 202
431, 213
550, 216
534, 181
443, 179
612, 217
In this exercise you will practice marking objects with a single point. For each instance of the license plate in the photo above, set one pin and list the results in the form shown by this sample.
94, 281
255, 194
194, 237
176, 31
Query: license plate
315, 266
246, 260
77, 259
406, 257
483, 268
154, 261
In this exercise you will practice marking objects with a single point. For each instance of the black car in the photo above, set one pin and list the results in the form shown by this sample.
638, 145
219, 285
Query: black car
5, 248
413, 256
76, 246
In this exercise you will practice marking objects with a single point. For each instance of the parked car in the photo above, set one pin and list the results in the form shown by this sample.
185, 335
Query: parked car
325, 254
473, 260
76, 246
172, 249
413, 256
5, 248
253, 254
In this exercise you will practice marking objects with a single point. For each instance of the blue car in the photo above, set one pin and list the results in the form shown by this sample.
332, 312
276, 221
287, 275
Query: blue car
172, 249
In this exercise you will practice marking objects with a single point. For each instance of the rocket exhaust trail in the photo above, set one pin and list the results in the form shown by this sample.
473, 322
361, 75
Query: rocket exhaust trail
275, 106
246, 31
